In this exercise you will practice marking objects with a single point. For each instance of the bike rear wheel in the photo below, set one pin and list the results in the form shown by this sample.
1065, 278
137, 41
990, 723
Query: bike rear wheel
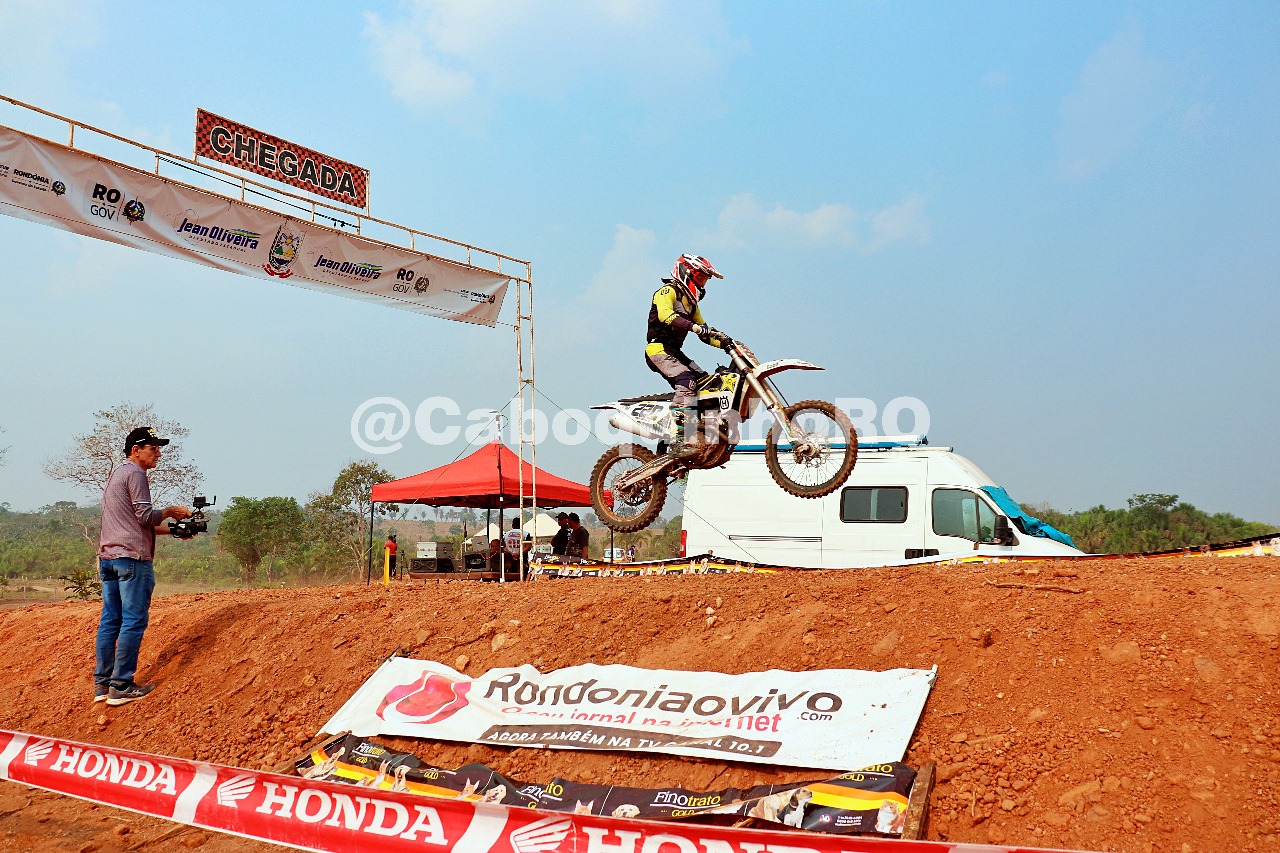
626, 512
823, 455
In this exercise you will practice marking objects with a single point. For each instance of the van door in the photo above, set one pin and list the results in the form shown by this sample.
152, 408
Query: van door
877, 517
960, 519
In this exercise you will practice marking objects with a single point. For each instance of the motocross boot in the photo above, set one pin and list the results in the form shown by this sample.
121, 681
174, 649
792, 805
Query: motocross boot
688, 440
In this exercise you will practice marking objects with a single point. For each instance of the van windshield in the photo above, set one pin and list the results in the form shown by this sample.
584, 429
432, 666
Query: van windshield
959, 512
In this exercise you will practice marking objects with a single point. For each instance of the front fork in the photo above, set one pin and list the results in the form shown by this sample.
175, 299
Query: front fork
802, 447
773, 403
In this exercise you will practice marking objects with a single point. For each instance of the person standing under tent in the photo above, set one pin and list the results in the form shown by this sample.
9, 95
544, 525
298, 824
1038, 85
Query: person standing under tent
579, 539
391, 547
560, 542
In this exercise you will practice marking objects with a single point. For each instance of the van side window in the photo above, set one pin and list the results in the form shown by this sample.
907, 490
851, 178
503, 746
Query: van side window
874, 503
959, 512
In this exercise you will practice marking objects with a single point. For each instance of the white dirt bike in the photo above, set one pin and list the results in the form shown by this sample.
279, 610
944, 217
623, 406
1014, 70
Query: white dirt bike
811, 447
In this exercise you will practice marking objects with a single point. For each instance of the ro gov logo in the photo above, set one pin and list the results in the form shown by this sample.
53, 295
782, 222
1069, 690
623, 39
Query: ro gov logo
109, 203
407, 280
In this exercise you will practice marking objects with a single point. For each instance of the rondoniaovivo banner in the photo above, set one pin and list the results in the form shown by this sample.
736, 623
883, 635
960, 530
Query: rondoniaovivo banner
239, 145
831, 719
51, 184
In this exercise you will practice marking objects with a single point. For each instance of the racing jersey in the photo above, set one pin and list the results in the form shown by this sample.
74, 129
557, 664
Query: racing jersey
671, 315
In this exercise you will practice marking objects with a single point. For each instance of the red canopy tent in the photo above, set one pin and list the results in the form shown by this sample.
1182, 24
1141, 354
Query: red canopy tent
487, 479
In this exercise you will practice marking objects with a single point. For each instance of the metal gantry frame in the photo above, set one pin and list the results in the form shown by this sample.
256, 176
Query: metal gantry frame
526, 386
526, 441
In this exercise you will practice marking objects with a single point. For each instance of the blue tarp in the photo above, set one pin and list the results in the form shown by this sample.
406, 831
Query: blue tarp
1029, 525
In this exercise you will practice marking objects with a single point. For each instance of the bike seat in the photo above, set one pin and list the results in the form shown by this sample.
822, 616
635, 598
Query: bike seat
650, 398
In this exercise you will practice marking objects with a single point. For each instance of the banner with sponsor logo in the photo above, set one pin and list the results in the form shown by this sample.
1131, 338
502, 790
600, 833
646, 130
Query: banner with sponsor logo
51, 184
310, 814
871, 800
831, 719
241, 146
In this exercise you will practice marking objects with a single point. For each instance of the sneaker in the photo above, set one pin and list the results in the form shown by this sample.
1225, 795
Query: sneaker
100, 692
123, 695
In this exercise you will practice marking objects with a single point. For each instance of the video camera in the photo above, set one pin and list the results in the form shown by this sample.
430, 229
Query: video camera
197, 523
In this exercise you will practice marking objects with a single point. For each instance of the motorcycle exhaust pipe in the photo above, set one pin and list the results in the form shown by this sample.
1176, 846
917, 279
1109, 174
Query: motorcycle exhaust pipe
626, 423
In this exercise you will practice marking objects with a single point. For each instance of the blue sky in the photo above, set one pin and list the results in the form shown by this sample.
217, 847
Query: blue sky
1054, 224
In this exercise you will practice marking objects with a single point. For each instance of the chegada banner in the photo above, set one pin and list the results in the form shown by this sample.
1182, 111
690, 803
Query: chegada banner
831, 719
239, 145
309, 814
51, 184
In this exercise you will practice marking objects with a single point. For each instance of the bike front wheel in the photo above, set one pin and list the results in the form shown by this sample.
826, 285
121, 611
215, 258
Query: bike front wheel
821, 454
626, 511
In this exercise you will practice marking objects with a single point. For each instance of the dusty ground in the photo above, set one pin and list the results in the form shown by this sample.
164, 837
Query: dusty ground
1138, 715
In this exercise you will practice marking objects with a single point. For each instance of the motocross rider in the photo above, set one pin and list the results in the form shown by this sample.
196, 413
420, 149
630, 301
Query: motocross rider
673, 314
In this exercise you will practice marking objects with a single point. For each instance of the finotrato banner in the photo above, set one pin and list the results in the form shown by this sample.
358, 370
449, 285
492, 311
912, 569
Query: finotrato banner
830, 719
51, 184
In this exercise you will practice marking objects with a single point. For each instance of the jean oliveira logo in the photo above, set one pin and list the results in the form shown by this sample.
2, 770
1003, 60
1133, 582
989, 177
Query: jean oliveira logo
238, 239
357, 270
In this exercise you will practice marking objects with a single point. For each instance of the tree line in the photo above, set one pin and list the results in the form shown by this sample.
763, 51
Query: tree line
1150, 522
276, 539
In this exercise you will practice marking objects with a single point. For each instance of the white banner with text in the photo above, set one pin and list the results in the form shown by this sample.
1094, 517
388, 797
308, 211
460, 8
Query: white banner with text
50, 184
831, 719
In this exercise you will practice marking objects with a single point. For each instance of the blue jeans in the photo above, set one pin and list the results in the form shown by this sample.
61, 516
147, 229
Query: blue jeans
126, 607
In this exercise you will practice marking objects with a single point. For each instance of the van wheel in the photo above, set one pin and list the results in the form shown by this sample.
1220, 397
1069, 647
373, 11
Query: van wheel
635, 510
820, 464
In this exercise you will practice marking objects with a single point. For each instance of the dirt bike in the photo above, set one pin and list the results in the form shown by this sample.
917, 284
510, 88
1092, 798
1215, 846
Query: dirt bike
810, 450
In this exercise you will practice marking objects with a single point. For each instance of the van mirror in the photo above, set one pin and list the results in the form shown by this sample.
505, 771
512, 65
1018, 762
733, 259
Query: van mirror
1004, 532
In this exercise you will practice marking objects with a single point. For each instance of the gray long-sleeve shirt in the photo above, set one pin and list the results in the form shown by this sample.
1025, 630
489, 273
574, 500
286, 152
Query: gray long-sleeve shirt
128, 519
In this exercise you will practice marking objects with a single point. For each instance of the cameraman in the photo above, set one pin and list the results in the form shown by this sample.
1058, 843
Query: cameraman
128, 544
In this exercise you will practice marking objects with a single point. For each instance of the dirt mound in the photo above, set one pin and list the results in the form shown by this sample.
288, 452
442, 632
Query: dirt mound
1127, 705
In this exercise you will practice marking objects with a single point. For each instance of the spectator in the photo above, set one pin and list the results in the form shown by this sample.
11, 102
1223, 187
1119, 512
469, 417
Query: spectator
390, 548
125, 564
579, 538
631, 554
496, 556
517, 545
560, 542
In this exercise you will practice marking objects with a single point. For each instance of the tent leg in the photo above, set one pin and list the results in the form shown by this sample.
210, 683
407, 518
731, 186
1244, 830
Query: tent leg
368, 576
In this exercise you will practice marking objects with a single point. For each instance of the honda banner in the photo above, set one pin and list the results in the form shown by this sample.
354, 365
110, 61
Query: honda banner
308, 814
51, 184
831, 719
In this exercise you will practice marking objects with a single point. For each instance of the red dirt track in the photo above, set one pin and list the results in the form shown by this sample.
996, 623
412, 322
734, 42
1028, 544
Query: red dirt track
1138, 713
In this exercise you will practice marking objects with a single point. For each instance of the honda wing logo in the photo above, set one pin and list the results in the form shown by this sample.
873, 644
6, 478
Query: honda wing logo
541, 836
232, 791
38, 752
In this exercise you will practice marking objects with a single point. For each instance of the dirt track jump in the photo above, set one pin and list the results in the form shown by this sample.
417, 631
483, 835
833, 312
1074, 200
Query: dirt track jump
1124, 705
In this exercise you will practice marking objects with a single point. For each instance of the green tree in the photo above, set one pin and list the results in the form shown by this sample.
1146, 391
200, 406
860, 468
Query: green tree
1152, 522
256, 530
340, 519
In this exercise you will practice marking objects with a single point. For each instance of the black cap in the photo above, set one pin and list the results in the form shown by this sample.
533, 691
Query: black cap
573, 516
143, 435
563, 515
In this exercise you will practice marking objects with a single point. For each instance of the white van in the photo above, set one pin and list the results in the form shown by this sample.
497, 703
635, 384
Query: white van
904, 502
